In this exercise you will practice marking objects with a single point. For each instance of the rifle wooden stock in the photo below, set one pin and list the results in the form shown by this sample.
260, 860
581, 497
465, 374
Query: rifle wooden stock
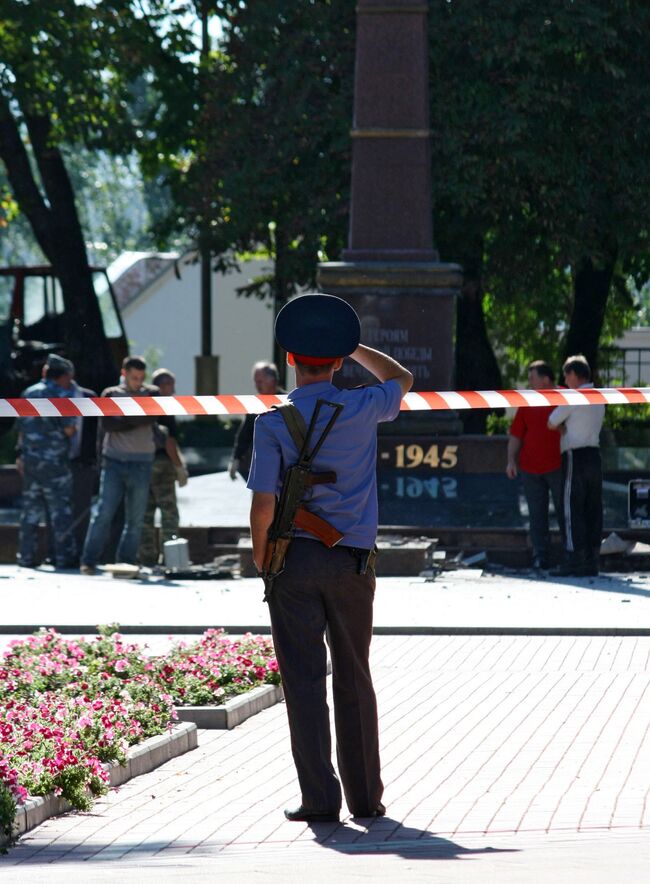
326, 533
276, 551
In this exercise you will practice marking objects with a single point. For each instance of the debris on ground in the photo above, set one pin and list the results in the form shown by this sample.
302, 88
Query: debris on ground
441, 561
613, 544
221, 568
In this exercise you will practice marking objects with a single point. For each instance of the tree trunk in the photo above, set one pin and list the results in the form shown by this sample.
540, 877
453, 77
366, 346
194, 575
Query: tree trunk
590, 292
476, 364
57, 229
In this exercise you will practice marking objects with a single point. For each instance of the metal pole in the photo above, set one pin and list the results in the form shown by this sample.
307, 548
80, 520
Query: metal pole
204, 243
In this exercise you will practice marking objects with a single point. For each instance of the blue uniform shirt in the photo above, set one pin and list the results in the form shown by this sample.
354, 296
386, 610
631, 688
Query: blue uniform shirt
350, 450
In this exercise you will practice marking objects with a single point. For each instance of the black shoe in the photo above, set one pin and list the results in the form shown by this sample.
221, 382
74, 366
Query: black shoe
540, 563
575, 564
380, 810
566, 569
304, 815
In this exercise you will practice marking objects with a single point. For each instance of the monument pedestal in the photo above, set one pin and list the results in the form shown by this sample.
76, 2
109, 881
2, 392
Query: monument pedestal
406, 310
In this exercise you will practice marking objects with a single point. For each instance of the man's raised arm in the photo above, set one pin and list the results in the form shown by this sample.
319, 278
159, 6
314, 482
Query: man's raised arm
383, 367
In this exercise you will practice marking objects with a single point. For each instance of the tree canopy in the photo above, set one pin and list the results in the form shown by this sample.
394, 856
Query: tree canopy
68, 77
540, 115
271, 153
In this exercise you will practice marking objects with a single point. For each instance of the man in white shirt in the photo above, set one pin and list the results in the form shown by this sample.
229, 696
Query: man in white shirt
580, 427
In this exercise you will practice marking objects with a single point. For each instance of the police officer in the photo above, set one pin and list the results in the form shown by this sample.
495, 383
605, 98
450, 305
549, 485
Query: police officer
44, 462
327, 590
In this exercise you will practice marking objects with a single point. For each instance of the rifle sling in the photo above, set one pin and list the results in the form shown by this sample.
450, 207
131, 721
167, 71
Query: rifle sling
295, 423
301, 434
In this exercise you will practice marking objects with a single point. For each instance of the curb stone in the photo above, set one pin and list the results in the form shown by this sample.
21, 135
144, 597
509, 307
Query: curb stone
235, 711
141, 758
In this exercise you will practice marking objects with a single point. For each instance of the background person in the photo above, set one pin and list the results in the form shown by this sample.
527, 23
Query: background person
534, 453
44, 463
582, 478
83, 463
128, 450
168, 469
265, 378
327, 590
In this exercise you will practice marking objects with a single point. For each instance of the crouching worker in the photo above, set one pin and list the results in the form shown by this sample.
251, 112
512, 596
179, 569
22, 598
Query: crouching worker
314, 526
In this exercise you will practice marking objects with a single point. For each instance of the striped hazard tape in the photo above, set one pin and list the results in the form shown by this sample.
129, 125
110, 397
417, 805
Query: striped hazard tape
155, 406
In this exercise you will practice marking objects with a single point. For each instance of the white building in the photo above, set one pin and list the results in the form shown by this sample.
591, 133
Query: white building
160, 301
627, 362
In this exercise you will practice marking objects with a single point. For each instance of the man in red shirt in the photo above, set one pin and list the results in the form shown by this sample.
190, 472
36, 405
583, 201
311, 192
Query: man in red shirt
534, 451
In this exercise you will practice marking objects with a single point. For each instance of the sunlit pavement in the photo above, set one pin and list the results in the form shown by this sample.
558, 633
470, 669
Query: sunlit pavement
460, 600
505, 758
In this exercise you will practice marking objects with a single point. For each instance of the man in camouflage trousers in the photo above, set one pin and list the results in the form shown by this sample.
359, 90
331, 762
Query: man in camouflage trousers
44, 462
168, 469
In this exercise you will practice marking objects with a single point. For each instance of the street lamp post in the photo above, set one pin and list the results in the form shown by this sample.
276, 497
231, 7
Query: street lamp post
207, 364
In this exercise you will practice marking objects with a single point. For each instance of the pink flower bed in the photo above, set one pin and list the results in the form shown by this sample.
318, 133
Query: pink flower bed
216, 668
67, 706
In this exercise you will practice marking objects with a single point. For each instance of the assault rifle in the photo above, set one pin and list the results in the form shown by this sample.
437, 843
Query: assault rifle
290, 512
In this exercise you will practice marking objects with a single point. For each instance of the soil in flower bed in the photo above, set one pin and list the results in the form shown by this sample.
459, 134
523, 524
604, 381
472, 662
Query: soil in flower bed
67, 706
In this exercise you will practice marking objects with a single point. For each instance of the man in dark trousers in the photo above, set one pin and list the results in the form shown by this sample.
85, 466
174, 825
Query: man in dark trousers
322, 590
265, 378
83, 462
579, 426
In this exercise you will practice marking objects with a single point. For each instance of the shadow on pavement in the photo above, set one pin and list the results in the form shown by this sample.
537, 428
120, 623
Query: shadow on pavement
603, 583
389, 836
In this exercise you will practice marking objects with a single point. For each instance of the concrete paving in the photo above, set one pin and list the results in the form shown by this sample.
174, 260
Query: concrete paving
456, 601
214, 499
505, 759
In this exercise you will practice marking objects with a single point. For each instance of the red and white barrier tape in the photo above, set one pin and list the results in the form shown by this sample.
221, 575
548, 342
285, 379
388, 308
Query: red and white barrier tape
155, 406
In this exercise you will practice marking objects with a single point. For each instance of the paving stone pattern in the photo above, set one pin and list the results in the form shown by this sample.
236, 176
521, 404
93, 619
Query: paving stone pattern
481, 735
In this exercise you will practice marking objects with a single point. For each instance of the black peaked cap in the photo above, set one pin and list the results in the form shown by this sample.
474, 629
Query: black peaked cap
319, 326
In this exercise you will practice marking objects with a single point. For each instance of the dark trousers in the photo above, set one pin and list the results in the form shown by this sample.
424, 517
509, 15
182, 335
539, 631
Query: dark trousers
539, 488
583, 500
84, 486
320, 593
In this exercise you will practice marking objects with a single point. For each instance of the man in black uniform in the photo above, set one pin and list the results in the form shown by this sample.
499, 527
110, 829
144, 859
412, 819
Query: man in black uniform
265, 378
327, 591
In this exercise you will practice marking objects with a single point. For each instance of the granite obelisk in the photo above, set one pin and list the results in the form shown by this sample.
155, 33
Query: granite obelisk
390, 271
